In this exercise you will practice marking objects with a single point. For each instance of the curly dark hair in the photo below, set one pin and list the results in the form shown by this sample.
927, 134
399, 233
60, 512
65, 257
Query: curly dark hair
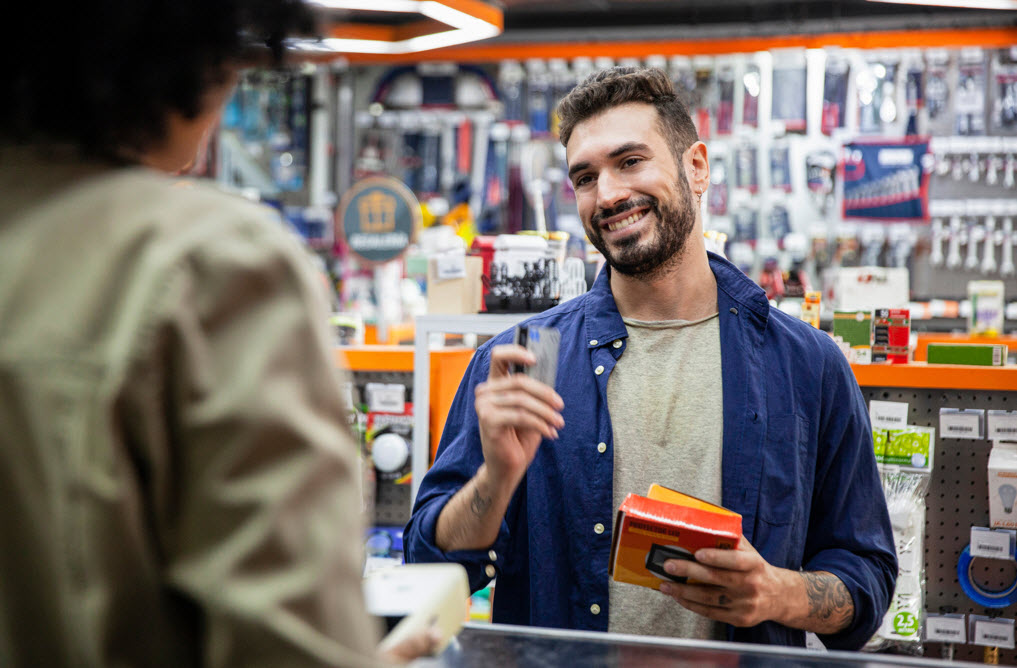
615, 86
103, 75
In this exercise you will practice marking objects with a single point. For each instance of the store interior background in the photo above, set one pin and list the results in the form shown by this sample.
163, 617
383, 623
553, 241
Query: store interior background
469, 129
303, 138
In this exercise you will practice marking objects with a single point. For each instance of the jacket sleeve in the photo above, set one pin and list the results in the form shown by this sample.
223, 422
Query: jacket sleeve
260, 519
849, 527
458, 458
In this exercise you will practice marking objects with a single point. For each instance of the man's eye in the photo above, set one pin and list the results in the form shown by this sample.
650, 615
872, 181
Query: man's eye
628, 162
583, 180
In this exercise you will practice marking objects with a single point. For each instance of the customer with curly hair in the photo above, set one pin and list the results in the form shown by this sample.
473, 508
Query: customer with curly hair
178, 483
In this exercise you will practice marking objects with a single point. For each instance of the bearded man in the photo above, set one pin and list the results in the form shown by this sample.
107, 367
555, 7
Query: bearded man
672, 369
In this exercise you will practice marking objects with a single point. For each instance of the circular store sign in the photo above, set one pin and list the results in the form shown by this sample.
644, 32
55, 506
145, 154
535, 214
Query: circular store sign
379, 217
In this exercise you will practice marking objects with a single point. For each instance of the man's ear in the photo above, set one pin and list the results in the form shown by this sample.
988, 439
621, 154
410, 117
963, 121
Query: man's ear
697, 168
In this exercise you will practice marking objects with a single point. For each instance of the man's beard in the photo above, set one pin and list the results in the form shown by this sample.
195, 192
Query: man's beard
634, 257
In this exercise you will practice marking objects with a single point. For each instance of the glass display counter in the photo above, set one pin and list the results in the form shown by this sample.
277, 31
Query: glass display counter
527, 647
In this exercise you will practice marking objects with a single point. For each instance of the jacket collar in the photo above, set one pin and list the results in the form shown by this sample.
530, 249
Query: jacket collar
604, 323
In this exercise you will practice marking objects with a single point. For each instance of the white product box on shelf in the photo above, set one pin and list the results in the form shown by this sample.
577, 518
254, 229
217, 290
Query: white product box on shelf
1003, 485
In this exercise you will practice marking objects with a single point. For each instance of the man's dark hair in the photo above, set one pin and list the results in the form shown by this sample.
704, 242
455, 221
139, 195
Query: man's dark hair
103, 75
612, 87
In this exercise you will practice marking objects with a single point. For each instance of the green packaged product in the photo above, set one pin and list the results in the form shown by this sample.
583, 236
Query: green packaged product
977, 354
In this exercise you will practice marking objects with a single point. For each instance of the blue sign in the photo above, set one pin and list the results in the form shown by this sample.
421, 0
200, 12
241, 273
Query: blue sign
379, 217
887, 179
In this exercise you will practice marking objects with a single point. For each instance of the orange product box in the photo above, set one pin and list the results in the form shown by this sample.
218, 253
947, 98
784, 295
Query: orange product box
662, 525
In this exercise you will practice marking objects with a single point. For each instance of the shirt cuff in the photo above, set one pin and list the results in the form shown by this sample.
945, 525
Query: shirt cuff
869, 605
482, 565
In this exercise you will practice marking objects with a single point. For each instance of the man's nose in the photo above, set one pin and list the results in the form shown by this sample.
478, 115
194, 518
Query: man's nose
611, 191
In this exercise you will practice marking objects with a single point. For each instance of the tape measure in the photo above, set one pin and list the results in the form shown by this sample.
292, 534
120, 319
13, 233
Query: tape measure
987, 598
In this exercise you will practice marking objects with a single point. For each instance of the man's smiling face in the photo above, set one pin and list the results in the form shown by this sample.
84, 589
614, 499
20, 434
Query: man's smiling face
632, 195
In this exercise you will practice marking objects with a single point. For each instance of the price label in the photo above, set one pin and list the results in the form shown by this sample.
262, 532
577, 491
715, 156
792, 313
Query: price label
888, 414
994, 633
946, 628
450, 265
955, 423
386, 397
991, 544
1002, 425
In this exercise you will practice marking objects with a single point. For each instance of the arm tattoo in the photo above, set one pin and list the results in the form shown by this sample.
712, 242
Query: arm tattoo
479, 505
829, 599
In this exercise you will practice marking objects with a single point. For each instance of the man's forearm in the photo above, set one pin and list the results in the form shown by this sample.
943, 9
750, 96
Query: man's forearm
821, 603
472, 518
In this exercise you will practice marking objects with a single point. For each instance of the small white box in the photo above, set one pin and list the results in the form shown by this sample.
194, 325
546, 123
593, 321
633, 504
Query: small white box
866, 288
1003, 485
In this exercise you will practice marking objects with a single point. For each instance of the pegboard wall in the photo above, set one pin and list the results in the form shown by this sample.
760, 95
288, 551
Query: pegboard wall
391, 501
958, 498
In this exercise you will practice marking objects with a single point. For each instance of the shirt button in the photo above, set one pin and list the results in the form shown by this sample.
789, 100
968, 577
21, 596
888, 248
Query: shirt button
598, 528
599, 370
493, 555
733, 310
490, 571
593, 342
602, 447
617, 344
595, 609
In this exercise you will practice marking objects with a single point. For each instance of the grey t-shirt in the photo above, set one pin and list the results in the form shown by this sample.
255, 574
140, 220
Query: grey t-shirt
666, 407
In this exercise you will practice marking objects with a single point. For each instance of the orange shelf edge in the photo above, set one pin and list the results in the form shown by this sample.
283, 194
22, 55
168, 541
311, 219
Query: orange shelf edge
375, 358
990, 37
447, 369
936, 376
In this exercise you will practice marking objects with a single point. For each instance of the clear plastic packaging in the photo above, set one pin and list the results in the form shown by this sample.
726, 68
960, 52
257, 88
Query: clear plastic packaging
904, 487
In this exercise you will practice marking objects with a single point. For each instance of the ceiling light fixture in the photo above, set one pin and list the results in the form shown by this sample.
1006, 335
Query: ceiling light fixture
966, 4
469, 20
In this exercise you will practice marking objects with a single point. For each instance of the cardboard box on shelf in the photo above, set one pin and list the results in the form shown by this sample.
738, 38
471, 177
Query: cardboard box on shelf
976, 354
453, 285
855, 327
988, 307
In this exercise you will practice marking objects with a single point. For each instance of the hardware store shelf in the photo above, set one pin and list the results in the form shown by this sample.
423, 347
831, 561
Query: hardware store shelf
940, 376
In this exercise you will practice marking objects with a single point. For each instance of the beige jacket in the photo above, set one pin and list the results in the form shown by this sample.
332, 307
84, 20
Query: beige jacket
177, 486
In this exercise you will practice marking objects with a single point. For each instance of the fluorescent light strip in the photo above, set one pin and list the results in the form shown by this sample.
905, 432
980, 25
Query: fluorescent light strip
406, 6
467, 28
967, 4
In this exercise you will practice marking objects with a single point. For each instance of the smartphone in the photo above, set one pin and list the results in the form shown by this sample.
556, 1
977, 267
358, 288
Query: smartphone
658, 554
544, 343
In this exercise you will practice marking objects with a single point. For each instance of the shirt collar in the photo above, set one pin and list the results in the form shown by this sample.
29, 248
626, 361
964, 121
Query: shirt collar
604, 323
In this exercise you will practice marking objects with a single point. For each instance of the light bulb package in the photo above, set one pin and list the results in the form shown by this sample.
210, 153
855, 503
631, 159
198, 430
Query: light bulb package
1002, 472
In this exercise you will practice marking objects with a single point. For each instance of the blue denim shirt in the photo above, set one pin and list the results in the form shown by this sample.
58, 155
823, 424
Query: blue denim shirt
798, 465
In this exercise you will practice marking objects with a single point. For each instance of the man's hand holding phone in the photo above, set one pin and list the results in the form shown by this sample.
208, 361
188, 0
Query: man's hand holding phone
515, 412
